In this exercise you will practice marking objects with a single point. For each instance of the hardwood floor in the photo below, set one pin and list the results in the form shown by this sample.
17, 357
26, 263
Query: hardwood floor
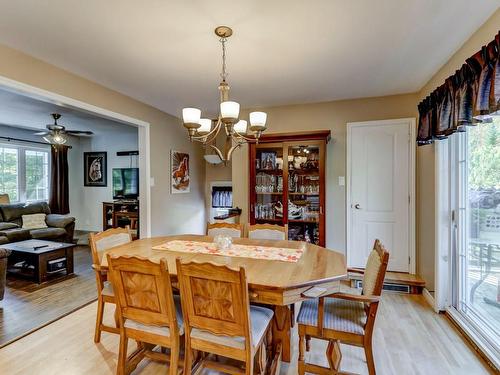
28, 306
409, 338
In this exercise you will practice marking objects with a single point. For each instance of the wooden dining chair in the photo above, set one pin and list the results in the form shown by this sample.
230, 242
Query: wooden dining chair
268, 232
225, 229
99, 243
219, 319
344, 318
148, 311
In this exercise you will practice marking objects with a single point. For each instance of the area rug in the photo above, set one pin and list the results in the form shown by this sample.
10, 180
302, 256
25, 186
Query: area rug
236, 250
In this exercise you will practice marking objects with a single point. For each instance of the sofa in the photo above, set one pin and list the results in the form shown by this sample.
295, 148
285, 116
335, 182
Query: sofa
59, 227
3, 270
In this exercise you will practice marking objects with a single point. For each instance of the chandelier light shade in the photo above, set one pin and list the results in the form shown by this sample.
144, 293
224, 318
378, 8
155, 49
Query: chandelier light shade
258, 121
191, 115
58, 139
241, 127
229, 111
201, 129
205, 126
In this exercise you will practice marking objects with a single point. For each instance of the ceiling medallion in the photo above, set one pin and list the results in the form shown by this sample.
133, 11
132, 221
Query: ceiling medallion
205, 130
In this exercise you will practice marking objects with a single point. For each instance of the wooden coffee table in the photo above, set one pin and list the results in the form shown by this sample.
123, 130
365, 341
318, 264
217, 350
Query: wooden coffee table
38, 256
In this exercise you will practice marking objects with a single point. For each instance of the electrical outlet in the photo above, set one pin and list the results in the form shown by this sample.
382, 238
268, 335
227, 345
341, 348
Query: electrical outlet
341, 180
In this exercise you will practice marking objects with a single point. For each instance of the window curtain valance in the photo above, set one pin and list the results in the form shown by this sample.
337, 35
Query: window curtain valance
468, 97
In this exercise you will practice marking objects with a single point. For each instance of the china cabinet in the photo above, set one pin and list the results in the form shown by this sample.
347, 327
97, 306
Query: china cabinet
287, 183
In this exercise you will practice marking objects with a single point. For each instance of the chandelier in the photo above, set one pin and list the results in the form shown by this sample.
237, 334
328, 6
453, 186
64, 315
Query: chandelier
205, 130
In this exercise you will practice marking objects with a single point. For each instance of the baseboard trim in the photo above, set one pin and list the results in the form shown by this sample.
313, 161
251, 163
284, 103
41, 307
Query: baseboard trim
429, 298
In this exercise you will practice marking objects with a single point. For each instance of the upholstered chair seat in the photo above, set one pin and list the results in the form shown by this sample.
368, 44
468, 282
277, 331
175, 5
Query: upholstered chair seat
157, 330
260, 317
339, 315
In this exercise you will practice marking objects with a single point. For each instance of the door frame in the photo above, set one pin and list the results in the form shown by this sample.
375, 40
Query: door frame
142, 132
411, 123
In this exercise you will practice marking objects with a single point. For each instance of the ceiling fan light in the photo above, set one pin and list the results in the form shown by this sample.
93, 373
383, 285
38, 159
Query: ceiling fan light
229, 111
205, 126
241, 127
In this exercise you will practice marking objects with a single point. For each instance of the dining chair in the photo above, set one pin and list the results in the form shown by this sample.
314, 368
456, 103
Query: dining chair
219, 319
268, 232
225, 229
99, 243
344, 318
148, 311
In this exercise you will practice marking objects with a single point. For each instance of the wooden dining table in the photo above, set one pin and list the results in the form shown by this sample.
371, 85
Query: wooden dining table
276, 283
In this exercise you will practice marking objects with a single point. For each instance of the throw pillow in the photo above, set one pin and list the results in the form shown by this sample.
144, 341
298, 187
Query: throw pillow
34, 221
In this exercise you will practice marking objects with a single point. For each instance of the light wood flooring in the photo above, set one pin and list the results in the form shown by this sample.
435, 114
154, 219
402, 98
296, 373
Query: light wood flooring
409, 339
28, 306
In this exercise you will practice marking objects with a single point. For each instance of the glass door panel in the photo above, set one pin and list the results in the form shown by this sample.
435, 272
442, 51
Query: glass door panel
477, 284
269, 184
304, 193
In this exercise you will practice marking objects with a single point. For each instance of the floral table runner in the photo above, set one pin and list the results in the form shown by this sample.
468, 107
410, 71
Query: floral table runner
236, 250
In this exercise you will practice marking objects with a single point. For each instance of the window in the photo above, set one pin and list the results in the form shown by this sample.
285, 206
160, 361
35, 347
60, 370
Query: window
24, 173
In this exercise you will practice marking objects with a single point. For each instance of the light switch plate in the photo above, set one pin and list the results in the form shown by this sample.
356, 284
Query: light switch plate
341, 180
152, 181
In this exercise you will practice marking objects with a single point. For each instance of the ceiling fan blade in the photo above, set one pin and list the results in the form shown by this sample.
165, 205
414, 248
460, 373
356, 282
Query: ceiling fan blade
80, 132
41, 133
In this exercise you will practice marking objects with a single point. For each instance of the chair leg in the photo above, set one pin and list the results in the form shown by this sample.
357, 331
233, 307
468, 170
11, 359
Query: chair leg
121, 368
369, 358
174, 358
117, 317
249, 367
188, 357
98, 322
302, 347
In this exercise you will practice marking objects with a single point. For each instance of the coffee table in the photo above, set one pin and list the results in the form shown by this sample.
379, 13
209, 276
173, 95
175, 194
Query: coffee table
40, 258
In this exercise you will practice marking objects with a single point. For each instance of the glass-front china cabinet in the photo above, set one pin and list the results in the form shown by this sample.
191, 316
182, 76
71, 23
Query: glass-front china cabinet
287, 183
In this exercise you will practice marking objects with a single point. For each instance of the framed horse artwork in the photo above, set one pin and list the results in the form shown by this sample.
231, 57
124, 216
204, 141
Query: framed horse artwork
179, 172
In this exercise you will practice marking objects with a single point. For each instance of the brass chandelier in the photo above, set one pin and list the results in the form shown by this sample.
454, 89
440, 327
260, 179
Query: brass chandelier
238, 132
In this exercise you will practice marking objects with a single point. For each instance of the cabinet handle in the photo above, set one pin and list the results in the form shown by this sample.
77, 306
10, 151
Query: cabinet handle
251, 207
321, 210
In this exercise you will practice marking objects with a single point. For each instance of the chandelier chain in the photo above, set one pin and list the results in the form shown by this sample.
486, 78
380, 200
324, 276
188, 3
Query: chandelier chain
223, 74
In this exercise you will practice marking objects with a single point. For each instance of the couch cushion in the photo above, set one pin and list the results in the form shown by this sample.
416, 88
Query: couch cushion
5, 225
49, 233
16, 234
34, 221
11, 212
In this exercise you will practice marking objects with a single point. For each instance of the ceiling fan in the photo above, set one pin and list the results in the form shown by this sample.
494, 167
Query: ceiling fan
57, 134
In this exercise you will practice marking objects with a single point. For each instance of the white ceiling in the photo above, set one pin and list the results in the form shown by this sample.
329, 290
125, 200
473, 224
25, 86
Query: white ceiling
24, 112
282, 52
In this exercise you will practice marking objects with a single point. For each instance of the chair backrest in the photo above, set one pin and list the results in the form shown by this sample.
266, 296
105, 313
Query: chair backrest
100, 242
4, 199
215, 299
143, 290
268, 232
376, 266
225, 229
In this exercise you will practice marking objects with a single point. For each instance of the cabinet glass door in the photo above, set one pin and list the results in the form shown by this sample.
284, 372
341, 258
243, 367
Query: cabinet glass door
304, 195
269, 184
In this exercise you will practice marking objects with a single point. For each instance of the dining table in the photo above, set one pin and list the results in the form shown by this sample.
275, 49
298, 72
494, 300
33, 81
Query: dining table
313, 271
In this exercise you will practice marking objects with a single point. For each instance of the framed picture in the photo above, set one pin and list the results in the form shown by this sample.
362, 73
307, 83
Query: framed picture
95, 169
268, 160
179, 172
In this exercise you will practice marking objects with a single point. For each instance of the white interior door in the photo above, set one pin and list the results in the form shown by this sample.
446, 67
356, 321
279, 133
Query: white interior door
379, 196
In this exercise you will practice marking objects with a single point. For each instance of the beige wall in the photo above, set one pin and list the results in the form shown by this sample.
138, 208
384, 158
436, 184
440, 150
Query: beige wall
333, 116
170, 213
425, 154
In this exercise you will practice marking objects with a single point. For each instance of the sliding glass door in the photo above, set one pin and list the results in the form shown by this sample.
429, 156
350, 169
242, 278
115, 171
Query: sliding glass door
475, 185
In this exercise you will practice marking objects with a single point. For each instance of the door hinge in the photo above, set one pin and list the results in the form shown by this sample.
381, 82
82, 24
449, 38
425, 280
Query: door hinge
409, 199
409, 260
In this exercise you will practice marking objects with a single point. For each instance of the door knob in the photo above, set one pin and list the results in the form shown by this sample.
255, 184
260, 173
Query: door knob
357, 206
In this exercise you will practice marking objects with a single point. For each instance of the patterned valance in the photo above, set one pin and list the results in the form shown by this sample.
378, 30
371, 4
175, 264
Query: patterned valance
468, 97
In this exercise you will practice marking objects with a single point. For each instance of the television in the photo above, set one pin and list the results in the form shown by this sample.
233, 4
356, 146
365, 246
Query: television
125, 183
